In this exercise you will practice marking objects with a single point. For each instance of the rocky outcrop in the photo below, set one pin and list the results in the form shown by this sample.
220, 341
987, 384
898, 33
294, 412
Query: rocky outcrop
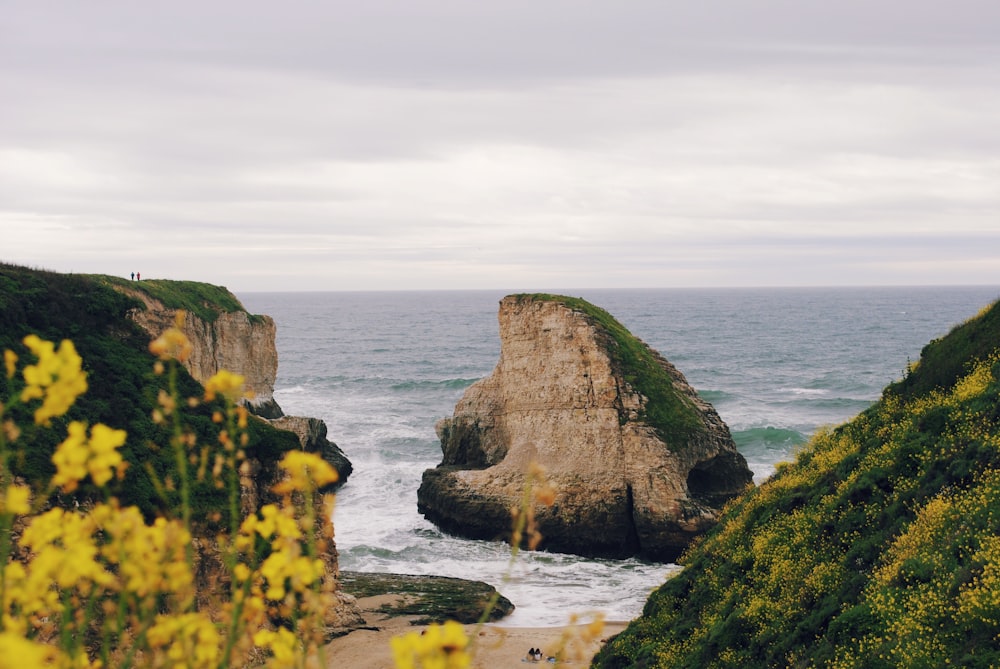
245, 344
639, 464
312, 435
256, 482
428, 599
235, 341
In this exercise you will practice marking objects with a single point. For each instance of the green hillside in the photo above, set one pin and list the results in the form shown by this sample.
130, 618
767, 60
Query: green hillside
122, 387
878, 547
203, 300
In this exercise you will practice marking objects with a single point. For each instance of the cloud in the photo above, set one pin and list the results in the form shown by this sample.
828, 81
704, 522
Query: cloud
440, 144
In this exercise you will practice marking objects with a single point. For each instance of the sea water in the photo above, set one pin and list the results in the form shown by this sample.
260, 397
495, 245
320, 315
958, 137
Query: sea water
380, 368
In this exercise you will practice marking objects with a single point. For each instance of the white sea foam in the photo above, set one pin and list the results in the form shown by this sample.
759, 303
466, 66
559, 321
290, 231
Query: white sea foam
381, 368
808, 392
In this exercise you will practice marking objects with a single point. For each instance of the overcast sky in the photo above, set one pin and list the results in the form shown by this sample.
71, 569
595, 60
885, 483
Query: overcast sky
542, 144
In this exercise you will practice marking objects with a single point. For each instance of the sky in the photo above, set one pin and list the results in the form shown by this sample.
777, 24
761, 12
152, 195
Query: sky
529, 145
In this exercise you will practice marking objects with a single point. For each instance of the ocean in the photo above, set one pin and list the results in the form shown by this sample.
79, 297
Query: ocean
380, 368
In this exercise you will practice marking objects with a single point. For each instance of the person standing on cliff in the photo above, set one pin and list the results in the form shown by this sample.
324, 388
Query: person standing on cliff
137, 277
133, 276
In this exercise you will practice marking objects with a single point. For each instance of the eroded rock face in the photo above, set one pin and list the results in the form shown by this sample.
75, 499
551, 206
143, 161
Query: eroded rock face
313, 437
564, 395
245, 345
235, 341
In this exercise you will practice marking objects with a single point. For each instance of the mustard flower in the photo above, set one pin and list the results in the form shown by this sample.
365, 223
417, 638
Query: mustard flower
57, 378
16, 651
189, 640
17, 500
282, 644
287, 568
64, 556
438, 647
77, 456
14, 579
173, 344
304, 472
225, 383
151, 558
10, 362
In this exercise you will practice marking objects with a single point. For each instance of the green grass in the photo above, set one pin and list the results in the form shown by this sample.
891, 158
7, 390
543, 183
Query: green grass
667, 410
877, 547
200, 299
943, 361
431, 599
122, 387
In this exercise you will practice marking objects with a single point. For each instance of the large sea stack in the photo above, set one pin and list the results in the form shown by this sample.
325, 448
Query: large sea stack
639, 463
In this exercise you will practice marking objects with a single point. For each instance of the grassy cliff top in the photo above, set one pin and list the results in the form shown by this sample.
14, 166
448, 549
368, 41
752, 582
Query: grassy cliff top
946, 360
203, 300
122, 389
667, 410
878, 547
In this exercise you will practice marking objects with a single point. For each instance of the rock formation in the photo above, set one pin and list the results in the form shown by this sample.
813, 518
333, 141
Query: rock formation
638, 462
245, 344
235, 341
312, 435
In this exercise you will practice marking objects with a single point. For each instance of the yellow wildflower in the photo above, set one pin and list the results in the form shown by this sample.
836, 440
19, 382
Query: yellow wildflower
173, 344
76, 456
17, 500
64, 556
225, 383
104, 455
286, 568
151, 559
438, 647
304, 472
16, 651
282, 644
241, 572
57, 378
10, 361
189, 639
14, 577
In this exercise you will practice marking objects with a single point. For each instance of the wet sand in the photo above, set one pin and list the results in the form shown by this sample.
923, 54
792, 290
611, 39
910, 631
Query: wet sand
494, 646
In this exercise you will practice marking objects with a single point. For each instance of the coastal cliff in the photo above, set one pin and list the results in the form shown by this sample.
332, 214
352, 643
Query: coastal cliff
224, 335
111, 328
638, 462
233, 340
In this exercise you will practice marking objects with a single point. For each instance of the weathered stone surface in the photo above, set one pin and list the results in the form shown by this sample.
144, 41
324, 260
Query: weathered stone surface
430, 599
234, 341
245, 345
312, 435
629, 477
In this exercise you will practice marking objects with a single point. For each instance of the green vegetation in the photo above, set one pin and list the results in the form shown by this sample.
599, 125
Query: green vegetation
430, 599
944, 361
122, 387
200, 299
667, 410
878, 547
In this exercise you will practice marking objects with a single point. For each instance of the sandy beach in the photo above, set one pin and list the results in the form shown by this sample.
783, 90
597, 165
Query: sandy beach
495, 646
